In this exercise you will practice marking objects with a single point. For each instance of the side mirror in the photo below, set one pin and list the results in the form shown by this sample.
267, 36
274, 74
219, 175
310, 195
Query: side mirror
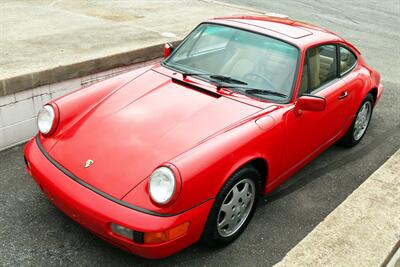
168, 48
309, 103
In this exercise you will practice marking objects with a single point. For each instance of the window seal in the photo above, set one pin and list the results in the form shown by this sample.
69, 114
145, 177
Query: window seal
308, 72
341, 75
337, 61
325, 85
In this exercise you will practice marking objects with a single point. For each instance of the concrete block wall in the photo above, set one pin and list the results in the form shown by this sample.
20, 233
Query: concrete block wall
18, 112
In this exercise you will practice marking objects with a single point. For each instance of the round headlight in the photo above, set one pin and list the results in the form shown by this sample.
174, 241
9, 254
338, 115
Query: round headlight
46, 118
162, 185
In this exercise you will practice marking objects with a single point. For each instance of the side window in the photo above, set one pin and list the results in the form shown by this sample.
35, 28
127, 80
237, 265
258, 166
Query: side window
347, 60
304, 89
320, 67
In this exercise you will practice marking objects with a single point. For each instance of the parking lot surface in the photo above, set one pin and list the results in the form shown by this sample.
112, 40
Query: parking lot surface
33, 232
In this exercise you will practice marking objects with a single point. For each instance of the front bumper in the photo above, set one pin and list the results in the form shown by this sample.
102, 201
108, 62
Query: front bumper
380, 91
95, 212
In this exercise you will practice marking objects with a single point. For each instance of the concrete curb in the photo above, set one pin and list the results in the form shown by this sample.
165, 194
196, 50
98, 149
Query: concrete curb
394, 258
363, 231
99, 63
21, 109
79, 69
60, 47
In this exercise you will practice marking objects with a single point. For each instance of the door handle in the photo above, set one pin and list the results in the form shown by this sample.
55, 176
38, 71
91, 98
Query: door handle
343, 95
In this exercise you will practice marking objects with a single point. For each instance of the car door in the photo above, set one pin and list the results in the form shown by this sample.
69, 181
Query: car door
349, 72
311, 130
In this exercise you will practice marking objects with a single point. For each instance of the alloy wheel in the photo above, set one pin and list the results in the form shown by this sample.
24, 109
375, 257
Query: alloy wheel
362, 120
236, 207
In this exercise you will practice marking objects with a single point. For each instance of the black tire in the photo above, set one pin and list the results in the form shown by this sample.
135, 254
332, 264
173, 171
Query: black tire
211, 236
348, 139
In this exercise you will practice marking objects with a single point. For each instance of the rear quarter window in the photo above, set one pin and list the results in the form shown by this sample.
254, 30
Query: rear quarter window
347, 60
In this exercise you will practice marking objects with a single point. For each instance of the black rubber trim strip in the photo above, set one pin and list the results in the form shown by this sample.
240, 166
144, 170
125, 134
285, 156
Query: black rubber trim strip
197, 88
138, 237
101, 193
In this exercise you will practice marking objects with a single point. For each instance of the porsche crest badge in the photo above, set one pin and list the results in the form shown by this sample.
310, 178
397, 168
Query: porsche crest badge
88, 163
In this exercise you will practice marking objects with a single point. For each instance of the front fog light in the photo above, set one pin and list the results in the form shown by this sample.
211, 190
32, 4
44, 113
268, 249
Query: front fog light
136, 236
122, 231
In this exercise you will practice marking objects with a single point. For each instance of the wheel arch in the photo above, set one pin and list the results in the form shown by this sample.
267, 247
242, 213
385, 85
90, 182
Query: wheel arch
261, 165
258, 162
374, 93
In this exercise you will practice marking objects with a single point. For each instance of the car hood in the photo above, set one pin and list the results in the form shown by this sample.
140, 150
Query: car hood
147, 122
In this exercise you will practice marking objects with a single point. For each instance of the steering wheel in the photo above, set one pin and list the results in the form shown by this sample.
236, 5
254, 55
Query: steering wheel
262, 77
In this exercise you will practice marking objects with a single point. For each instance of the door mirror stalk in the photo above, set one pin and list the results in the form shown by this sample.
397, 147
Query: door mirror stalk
168, 48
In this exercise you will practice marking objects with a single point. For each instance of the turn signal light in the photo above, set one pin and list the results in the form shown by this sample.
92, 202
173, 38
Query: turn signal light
167, 235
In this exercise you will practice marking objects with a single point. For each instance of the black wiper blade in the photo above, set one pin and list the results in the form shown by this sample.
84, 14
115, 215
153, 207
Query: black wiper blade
264, 92
221, 78
256, 91
227, 79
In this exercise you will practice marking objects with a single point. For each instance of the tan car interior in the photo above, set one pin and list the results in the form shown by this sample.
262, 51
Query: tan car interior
248, 59
243, 62
246, 62
322, 68
347, 60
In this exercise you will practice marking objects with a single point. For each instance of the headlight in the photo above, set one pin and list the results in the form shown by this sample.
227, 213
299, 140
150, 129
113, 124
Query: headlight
162, 185
45, 119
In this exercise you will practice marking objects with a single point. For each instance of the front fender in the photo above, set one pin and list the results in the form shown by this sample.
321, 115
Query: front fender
205, 168
75, 105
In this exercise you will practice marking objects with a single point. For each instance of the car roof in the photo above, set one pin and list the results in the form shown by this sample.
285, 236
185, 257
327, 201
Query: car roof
299, 33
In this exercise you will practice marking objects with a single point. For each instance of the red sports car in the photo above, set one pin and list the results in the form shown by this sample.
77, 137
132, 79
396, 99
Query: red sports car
158, 158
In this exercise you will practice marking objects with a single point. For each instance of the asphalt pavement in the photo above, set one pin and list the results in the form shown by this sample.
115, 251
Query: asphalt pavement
33, 232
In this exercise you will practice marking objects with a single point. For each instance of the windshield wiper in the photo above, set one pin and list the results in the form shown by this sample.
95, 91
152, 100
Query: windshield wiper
230, 80
264, 92
221, 78
256, 91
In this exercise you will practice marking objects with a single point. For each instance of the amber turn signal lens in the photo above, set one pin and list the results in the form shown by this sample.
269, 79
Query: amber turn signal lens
164, 236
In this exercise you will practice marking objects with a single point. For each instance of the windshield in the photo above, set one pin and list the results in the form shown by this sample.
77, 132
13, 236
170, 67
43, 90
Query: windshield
258, 61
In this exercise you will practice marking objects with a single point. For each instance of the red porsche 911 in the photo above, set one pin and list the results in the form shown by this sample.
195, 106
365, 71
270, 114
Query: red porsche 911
161, 157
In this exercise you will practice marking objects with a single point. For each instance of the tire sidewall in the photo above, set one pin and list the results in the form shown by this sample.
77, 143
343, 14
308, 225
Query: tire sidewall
348, 140
370, 99
211, 236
